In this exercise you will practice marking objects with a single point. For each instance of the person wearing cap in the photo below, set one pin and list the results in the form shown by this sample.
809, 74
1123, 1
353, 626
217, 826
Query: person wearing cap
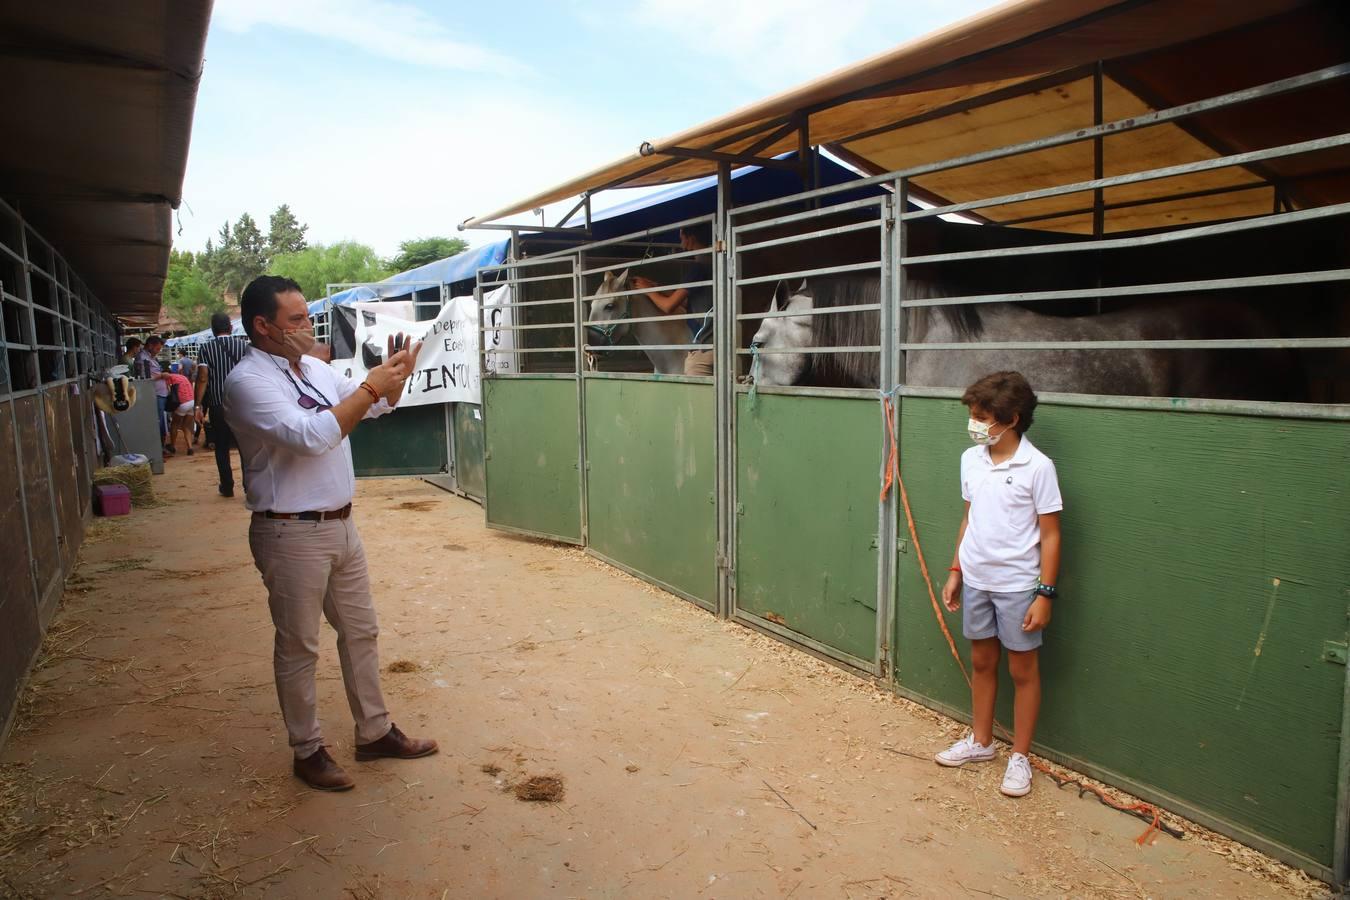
291, 415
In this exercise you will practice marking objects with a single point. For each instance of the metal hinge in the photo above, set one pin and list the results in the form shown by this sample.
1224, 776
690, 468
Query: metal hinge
1334, 652
902, 545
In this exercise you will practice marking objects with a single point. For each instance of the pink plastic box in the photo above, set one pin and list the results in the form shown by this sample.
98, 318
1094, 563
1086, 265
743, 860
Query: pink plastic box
112, 499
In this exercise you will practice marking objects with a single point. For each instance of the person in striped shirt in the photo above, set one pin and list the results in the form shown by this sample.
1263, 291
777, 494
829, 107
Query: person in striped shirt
217, 357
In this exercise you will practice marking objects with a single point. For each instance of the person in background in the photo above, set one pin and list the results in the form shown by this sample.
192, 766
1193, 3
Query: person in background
187, 366
216, 358
697, 299
182, 415
133, 350
147, 366
199, 399
292, 415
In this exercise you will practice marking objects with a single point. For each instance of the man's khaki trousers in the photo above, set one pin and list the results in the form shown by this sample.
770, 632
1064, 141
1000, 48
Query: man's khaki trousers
310, 567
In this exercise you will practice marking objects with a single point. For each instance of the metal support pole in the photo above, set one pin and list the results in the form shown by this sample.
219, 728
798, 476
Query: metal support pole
1098, 166
1341, 848
579, 355
889, 415
725, 342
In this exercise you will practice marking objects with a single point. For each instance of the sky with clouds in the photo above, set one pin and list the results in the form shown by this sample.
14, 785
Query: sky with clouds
379, 120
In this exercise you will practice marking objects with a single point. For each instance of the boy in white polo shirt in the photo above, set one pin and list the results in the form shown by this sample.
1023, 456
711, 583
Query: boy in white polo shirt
1006, 564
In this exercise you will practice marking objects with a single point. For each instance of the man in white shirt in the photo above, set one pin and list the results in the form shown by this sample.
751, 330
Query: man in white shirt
291, 415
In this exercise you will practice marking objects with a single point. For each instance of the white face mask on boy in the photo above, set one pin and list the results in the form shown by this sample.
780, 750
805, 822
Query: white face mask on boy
979, 433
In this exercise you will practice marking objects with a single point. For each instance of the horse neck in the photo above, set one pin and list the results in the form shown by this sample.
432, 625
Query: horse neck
668, 331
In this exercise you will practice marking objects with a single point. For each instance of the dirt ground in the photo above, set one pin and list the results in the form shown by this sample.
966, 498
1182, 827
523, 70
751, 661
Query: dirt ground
695, 758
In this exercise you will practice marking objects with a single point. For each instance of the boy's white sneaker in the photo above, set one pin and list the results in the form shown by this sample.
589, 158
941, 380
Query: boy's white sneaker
965, 751
1017, 780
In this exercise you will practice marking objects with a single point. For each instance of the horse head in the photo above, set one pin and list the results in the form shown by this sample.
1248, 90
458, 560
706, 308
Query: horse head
601, 326
785, 333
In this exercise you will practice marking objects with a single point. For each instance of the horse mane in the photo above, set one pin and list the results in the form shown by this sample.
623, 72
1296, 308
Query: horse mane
863, 329
850, 329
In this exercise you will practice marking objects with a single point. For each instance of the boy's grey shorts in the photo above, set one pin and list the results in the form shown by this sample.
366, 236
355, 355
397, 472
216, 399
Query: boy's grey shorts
986, 614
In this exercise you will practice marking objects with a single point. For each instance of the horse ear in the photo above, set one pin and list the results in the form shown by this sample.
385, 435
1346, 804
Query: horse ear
780, 297
623, 276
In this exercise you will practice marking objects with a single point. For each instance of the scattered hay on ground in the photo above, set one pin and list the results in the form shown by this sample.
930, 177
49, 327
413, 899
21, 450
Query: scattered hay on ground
491, 769
102, 529
191, 574
403, 665
539, 789
129, 564
417, 505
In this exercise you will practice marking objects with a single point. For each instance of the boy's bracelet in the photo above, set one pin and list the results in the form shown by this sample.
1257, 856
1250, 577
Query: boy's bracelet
374, 395
956, 569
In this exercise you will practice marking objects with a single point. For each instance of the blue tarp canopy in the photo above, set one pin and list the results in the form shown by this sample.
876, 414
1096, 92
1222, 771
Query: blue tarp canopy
676, 203
689, 199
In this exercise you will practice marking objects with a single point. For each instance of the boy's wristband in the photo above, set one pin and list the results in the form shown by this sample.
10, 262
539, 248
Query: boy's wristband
374, 395
956, 569
1049, 591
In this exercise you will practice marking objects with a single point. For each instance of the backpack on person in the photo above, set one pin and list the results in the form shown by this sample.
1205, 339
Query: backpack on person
173, 401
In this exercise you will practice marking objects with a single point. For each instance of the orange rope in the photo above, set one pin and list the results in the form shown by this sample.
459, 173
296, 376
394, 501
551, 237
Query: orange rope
1140, 810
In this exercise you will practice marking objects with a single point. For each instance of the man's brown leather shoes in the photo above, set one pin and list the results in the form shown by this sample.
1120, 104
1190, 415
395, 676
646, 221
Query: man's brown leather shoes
396, 745
321, 772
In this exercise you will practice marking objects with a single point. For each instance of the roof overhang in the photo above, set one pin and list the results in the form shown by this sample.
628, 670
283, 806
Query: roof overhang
98, 108
1030, 69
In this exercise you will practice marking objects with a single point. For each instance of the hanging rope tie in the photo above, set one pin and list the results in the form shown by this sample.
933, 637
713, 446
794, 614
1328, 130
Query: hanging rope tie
1142, 811
756, 368
892, 461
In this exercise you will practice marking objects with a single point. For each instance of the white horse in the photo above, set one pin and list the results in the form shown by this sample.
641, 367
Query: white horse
602, 327
1237, 374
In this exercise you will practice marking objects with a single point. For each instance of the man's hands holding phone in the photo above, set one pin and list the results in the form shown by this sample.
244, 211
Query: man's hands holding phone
389, 377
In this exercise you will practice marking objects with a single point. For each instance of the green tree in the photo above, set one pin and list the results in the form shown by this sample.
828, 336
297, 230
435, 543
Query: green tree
320, 265
420, 251
238, 258
187, 296
285, 233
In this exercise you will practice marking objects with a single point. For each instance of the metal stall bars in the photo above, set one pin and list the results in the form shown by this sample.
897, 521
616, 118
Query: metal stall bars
649, 437
417, 440
1199, 530
535, 483
811, 554
54, 335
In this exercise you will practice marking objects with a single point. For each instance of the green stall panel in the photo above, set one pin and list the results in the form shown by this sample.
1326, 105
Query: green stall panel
407, 441
1205, 578
469, 473
651, 480
807, 471
532, 450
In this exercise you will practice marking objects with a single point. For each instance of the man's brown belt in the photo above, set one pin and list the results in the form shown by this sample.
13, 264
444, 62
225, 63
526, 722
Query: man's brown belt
312, 516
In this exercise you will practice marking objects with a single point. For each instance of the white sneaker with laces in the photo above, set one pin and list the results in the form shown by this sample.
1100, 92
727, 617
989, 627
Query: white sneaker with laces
965, 751
1017, 780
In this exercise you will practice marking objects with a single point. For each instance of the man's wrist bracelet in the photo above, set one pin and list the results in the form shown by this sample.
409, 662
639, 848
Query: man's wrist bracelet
374, 394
